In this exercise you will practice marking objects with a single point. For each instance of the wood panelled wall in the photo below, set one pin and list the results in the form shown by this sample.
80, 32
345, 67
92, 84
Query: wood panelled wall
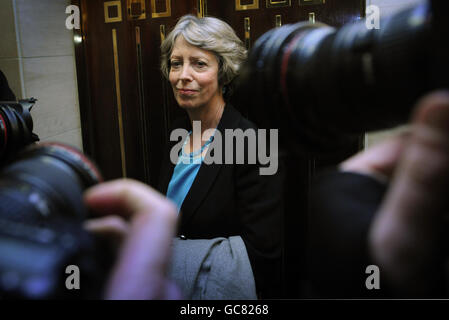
126, 105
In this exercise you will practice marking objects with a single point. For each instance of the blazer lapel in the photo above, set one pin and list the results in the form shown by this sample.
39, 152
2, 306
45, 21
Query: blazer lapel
167, 171
167, 165
207, 173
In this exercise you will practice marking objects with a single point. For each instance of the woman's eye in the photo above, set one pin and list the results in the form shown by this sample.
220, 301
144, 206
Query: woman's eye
175, 64
201, 64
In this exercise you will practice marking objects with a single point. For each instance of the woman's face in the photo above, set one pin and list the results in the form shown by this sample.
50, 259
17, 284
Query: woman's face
193, 75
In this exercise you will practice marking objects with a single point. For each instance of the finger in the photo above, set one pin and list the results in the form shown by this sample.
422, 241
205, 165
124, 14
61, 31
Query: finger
424, 168
405, 234
109, 226
140, 269
172, 292
378, 161
112, 230
123, 197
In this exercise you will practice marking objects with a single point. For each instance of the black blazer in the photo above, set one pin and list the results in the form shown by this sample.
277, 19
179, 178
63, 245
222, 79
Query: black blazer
227, 200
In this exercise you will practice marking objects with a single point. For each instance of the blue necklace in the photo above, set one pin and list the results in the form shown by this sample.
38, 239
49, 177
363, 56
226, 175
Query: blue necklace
198, 152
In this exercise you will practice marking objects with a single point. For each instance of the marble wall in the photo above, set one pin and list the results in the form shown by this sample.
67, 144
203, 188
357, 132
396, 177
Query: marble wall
37, 56
9, 52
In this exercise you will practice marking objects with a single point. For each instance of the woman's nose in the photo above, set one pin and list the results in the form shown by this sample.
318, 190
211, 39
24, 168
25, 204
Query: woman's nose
186, 74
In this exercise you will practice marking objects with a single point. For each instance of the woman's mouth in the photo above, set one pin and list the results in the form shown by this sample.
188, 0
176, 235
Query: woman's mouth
187, 91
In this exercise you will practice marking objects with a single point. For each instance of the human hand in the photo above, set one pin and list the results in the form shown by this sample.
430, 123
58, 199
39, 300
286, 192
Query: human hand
405, 237
380, 160
142, 221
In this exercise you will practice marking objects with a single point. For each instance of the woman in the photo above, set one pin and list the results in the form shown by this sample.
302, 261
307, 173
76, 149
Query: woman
200, 58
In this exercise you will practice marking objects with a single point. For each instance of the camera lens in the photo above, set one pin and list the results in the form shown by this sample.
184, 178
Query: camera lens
41, 216
58, 174
322, 86
3, 134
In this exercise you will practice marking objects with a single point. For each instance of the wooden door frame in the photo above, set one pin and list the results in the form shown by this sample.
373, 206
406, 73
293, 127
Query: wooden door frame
86, 117
82, 75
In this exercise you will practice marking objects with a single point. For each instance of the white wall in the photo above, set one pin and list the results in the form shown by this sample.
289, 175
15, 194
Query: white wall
9, 54
37, 56
387, 7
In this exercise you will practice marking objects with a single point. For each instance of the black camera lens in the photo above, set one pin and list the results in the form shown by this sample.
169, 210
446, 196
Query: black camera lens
41, 217
60, 172
16, 127
3, 133
320, 85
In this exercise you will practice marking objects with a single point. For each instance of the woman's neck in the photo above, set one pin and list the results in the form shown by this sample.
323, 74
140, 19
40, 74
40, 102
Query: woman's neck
209, 115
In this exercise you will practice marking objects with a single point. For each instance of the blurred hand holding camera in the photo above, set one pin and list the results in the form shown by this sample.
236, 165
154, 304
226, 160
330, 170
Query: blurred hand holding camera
143, 221
406, 234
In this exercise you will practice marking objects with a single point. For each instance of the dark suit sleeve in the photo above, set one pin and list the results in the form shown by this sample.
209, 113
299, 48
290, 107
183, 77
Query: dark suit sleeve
6, 93
343, 205
259, 202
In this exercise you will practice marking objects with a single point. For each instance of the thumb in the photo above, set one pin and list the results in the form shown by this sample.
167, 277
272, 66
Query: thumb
405, 234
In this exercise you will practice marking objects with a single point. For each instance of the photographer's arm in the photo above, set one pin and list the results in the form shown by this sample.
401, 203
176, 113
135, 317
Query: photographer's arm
405, 238
139, 272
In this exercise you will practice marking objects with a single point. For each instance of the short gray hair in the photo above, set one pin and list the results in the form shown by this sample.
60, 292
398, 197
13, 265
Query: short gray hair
210, 34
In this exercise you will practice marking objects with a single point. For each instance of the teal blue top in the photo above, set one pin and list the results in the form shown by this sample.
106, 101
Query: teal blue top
185, 173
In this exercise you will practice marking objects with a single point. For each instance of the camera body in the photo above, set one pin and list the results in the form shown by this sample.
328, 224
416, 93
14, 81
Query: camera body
16, 126
41, 225
322, 86
42, 215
